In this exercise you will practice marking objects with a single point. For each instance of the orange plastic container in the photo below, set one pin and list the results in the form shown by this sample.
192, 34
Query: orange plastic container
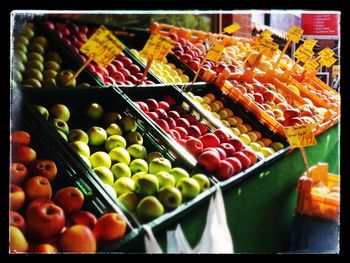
313, 204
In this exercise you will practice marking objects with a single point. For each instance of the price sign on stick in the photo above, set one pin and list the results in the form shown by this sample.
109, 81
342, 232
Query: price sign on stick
101, 47
232, 28
265, 47
294, 34
310, 65
303, 54
327, 52
215, 52
327, 61
300, 136
266, 34
309, 43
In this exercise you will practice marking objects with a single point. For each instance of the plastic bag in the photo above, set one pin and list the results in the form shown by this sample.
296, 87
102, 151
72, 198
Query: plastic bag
177, 242
151, 244
216, 237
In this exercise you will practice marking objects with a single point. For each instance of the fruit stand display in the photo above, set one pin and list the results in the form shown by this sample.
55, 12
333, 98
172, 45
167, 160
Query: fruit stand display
148, 150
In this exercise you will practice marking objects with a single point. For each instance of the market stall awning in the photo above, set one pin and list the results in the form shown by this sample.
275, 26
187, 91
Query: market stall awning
281, 34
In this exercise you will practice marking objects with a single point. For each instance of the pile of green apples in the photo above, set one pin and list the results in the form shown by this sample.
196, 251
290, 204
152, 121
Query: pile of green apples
35, 65
254, 139
146, 183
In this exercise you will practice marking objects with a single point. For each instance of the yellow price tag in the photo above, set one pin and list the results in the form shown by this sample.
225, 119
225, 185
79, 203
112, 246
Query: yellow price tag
294, 34
300, 136
309, 43
326, 52
232, 28
303, 54
336, 70
266, 34
265, 47
327, 61
311, 65
215, 52
102, 46
157, 47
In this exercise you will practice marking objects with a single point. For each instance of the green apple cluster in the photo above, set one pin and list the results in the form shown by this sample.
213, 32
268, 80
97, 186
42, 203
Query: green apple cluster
145, 183
35, 65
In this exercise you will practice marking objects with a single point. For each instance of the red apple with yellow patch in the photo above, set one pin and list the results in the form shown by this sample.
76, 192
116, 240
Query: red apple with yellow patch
70, 199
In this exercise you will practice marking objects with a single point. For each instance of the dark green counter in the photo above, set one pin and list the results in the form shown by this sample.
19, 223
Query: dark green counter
260, 209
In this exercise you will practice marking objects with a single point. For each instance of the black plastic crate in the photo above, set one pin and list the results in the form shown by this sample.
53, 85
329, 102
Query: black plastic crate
110, 99
69, 170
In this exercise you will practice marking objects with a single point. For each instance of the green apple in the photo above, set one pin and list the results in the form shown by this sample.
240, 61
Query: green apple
120, 170
35, 56
64, 76
80, 147
114, 141
33, 73
110, 190
61, 125
22, 47
17, 76
128, 124
40, 40
100, 158
22, 39
28, 32
86, 160
111, 117
35, 64
158, 165
104, 174
43, 111
123, 185
78, 135
130, 201
83, 85
134, 138
153, 155
94, 111
147, 184
114, 129
63, 135
137, 151
21, 56
19, 66
31, 83
188, 187
35, 47
179, 173
165, 179
52, 65
54, 56
137, 175
202, 180
170, 197
276, 146
97, 136
49, 83
149, 208
49, 74
60, 111
120, 155
138, 165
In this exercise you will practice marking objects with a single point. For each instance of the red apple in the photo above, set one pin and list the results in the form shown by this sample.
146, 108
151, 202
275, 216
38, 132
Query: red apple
134, 69
228, 148
219, 68
221, 152
171, 122
178, 53
82, 37
45, 222
194, 146
182, 131
180, 109
186, 58
173, 36
164, 105
82, 217
20, 137
163, 124
73, 28
49, 25
268, 96
101, 70
193, 64
251, 155
38, 187
293, 121
222, 135
118, 76
119, 66
111, 69
77, 239
44, 248
17, 220
109, 227
203, 128
210, 140
18, 173
35, 203
152, 115
194, 131
237, 143
84, 30
23, 154
17, 197
70, 199
170, 100
175, 134
143, 106
224, 171
236, 164
291, 113
152, 104
173, 114
191, 119
45, 168
181, 122
126, 62
161, 113
209, 160
258, 98
133, 79
245, 161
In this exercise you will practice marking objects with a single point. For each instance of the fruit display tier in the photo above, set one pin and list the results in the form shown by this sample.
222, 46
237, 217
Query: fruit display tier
129, 159
52, 180
41, 61
125, 69
214, 149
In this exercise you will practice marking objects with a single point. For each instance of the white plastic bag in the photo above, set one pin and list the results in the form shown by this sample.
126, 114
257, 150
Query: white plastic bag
177, 242
151, 244
216, 237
